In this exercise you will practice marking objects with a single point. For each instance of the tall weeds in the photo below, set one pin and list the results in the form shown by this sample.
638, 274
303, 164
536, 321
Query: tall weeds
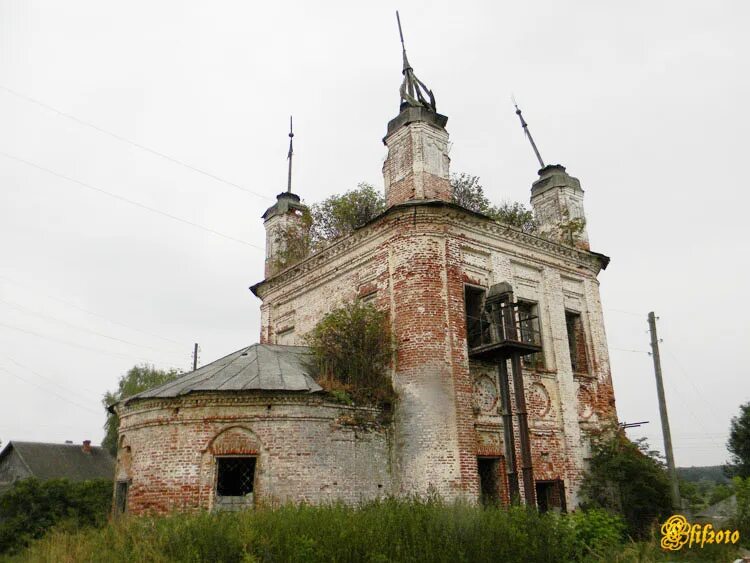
383, 531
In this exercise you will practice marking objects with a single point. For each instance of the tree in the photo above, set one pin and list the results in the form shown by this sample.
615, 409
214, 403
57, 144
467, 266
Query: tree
514, 213
31, 507
628, 478
138, 378
352, 349
469, 193
339, 215
739, 443
741, 519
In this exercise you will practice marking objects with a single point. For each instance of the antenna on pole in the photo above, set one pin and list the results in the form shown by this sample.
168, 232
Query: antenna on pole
528, 134
289, 157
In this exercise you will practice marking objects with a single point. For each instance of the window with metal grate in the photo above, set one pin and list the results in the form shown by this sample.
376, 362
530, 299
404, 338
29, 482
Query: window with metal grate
235, 476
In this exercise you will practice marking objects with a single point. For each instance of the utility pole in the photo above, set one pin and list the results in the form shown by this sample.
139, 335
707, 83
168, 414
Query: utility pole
195, 357
663, 411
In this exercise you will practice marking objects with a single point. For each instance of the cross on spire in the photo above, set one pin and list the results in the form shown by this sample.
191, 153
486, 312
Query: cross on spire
413, 91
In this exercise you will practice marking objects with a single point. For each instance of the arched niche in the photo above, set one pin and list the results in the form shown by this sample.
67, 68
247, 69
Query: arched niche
232, 462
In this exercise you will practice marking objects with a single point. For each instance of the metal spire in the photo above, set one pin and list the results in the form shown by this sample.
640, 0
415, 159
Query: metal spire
289, 157
413, 90
528, 134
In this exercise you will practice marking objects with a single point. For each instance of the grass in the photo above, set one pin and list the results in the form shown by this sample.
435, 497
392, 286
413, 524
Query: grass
390, 530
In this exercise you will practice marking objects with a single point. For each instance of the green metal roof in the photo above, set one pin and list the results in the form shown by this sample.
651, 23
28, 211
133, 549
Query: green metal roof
260, 367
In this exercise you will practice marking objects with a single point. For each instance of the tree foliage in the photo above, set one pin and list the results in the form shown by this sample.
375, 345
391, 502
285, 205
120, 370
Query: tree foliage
351, 348
339, 215
31, 507
741, 519
469, 193
332, 218
138, 378
627, 478
739, 443
514, 213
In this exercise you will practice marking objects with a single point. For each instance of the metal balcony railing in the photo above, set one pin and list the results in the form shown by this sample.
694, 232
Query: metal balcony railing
501, 332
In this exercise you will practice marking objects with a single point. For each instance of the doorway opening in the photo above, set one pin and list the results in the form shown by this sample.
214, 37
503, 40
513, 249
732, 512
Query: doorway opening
489, 480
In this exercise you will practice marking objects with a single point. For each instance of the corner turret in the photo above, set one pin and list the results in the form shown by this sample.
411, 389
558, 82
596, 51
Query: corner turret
286, 222
557, 200
417, 166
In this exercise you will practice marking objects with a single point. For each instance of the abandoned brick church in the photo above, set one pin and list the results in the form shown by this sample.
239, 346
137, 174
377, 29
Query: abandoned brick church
501, 368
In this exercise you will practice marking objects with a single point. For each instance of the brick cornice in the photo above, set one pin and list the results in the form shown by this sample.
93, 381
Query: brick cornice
234, 398
442, 214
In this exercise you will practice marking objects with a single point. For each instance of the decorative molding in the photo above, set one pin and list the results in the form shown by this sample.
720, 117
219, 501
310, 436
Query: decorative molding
434, 212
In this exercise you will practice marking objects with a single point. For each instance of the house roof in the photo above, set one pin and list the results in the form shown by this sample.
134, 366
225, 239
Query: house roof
57, 461
260, 367
719, 511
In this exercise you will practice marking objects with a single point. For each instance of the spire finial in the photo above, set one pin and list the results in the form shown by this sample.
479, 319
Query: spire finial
289, 157
413, 90
403, 47
528, 133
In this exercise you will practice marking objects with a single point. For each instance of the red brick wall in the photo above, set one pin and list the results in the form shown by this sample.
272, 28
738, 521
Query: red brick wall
416, 259
306, 450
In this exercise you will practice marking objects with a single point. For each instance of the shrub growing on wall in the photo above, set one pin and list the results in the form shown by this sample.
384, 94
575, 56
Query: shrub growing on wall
352, 350
469, 193
331, 219
339, 215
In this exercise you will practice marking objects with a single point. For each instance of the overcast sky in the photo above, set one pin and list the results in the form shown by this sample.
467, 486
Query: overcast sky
644, 102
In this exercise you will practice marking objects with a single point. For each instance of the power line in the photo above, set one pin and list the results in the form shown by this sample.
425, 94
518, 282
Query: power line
60, 341
624, 312
628, 350
130, 201
88, 330
69, 304
49, 380
690, 380
133, 143
49, 391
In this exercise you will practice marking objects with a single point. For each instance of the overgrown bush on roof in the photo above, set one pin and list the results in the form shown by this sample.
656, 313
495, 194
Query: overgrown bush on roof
340, 215
327, 221
352, 350
469, 193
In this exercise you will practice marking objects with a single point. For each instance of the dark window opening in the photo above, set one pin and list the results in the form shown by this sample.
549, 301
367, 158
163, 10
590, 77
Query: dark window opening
489, 480
235, 476
550, 495
477, 325
576, 342
121, 497
528, 319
